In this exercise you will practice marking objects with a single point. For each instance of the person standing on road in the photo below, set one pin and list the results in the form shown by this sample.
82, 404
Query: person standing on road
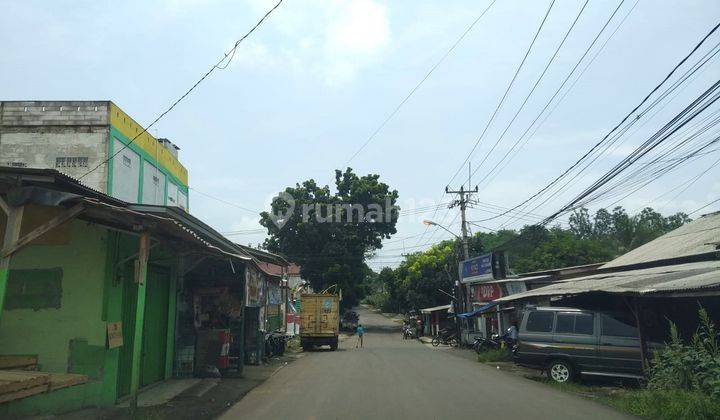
360, 332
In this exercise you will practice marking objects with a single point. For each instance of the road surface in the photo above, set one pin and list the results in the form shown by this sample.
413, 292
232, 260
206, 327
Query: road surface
392, 378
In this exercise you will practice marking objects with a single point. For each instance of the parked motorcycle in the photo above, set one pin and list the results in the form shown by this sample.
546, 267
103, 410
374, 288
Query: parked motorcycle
447, 336
408, 333
495, 342
275, 343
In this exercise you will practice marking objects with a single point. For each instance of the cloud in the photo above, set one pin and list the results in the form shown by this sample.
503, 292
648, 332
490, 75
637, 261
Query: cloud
332, 40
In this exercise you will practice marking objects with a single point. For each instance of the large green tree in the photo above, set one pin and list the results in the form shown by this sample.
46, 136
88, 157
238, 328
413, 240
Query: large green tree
329, 234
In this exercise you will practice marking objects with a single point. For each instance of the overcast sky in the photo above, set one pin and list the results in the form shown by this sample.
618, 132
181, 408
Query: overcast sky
309, 87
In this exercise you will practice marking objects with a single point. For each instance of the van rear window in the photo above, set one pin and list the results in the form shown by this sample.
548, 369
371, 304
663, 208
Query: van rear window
540, 321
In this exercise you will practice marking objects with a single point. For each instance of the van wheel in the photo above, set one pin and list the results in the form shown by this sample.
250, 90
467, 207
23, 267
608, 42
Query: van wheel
560, 371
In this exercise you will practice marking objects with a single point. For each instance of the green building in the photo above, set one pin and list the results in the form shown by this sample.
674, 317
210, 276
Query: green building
110, 291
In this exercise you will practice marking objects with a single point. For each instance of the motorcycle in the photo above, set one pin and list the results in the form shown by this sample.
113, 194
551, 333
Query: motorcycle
446, 336
495, 342
408, 333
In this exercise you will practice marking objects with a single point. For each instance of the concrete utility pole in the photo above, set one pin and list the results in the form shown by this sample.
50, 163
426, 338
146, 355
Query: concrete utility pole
462, 202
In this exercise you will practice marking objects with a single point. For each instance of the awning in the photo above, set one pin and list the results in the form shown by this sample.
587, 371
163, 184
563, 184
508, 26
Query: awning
479, 311
446, 308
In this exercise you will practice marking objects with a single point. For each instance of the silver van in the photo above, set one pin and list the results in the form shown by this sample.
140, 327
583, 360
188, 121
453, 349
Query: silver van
568, 342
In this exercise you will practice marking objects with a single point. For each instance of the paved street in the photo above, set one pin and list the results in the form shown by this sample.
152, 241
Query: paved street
393, 378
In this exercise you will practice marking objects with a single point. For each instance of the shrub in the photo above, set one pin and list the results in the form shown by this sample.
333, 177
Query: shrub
667, 404
499, 355
694, 366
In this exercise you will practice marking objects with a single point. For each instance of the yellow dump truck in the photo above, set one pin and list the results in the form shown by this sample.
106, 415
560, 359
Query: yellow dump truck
319, 320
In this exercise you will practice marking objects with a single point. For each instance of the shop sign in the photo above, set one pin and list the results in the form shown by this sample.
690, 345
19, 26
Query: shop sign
477, 269
486, 292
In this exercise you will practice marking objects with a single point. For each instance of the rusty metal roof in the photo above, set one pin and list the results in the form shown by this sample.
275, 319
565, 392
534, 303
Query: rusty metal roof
697, 237
697, 276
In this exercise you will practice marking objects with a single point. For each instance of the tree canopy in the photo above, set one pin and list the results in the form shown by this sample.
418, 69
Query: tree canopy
330, 233
588, 239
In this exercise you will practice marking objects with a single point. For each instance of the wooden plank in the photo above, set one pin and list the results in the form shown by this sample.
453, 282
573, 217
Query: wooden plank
16, 361
64, 380
24, 393
42, 229
15, 380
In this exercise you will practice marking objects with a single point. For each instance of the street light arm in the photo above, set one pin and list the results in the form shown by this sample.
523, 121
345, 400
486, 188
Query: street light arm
431, 223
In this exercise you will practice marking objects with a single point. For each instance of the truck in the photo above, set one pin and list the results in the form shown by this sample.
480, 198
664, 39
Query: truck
319, 320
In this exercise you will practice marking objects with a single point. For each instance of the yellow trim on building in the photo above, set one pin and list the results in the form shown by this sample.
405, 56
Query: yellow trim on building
127, 126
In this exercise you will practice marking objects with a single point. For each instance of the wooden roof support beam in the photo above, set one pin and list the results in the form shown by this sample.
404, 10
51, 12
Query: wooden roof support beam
12, 232
46, 227
4, 206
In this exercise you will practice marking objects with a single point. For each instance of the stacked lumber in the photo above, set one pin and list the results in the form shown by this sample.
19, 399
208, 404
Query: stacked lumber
18, 362
16, 384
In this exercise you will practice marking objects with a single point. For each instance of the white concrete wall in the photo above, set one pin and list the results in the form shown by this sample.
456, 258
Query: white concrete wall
172, 190
153, 185
35, 134
126, 173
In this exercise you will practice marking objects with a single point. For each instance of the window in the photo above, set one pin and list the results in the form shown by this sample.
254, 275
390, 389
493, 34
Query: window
34, 289
71, 162
540, 321
618, 326
584, 324
565, 323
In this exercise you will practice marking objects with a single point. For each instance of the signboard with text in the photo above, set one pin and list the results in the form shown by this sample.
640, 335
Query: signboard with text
478, 269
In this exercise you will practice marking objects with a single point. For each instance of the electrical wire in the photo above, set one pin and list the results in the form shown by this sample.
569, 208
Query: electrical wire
505, 94
615, 128
220, 65
417, 86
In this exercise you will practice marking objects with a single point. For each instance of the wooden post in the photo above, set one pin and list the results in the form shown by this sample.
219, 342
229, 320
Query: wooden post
140, 277
12, 233
643, 344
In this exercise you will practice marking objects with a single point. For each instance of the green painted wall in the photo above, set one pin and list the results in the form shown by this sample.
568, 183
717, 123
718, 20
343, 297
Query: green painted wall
48, 332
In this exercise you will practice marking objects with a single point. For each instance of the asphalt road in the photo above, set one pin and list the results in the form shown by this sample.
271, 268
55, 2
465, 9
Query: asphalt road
392, 378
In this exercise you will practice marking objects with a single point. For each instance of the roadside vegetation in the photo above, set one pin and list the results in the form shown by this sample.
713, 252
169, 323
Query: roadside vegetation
499, 355
416, 282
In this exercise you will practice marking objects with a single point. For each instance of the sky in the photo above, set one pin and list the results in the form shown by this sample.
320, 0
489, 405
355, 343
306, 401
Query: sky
307, 89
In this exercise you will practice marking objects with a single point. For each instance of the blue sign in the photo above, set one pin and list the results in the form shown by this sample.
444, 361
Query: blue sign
477, 269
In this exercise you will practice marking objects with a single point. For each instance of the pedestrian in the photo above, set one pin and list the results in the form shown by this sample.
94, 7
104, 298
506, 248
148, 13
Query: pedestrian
360, 332
513, 332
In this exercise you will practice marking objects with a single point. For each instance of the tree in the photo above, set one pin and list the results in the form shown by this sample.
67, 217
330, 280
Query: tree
330, 234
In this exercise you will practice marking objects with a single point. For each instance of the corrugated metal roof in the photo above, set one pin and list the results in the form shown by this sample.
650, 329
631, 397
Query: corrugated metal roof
697, 237
667, 279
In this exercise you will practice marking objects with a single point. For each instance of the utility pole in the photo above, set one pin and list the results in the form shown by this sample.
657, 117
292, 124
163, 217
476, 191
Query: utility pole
461, 302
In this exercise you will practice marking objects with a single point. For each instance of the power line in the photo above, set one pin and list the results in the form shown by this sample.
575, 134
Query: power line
559, 89
507, 91
221, 65
224, 201
532, 90
706, 205
624, 119
432, 69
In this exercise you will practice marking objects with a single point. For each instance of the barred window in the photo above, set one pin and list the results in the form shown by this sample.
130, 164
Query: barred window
71, 162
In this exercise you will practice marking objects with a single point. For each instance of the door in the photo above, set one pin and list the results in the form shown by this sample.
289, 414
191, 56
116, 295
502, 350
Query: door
154, 347
619, 350
576, 337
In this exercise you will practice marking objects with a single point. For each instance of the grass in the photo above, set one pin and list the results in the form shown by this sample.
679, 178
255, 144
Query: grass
648, 403
665, 404
500, 355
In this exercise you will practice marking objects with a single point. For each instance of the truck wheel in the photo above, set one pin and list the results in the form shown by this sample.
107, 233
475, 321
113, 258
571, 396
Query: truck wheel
560, 371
